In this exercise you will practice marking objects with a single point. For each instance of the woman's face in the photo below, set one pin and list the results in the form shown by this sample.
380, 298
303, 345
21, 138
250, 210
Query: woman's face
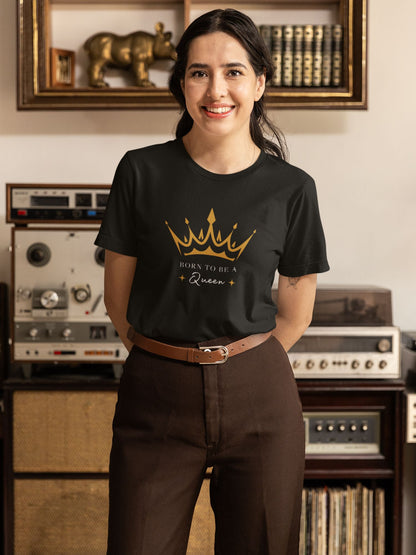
220, 85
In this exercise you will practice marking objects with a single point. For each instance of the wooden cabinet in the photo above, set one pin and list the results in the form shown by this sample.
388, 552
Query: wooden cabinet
38, 32
57, 442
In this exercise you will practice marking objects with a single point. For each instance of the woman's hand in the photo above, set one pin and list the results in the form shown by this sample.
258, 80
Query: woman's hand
295, 301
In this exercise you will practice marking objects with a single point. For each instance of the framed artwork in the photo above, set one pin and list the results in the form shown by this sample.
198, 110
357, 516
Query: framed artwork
62, 68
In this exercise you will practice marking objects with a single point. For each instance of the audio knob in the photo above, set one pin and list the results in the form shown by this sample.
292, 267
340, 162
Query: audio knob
81, 293
364, 427
355, 364
330, 427
100, 256
296, 364
353, 428
324, 364
369, 364
33, 332
49, 299
341, 427
384, 345
319, 428
310, 364
383, 364
38, 254
66, 332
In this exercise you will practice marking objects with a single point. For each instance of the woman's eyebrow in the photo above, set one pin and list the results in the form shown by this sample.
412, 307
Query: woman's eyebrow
198, 65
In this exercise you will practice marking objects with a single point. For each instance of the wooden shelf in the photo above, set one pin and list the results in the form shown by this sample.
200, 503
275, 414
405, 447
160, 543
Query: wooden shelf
34, 92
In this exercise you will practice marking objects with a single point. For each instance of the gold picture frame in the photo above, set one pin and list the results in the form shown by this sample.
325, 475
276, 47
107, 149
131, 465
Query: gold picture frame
62, 68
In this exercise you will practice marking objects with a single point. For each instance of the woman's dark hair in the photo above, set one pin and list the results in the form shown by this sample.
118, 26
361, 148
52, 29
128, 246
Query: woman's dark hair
241, 27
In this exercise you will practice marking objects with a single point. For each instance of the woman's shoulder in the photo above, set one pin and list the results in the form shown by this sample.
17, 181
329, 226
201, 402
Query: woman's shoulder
287, 170
154, 152
288, 177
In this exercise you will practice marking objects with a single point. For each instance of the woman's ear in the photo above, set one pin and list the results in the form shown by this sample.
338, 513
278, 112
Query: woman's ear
261, 85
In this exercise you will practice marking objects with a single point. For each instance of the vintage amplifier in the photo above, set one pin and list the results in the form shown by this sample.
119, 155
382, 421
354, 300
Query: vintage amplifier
347, 352
340, 432
351, 336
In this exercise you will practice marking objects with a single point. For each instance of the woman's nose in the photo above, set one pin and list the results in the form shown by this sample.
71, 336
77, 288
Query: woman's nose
217, 87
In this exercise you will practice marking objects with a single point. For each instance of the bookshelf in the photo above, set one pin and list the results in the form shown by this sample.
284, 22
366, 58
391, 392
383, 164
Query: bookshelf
43, 25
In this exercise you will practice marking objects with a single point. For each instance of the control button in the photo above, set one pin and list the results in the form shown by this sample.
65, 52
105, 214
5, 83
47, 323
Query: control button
383, 364
324, 364
66, 332
364, 427
369, 364
341, 427
353, 427
355, 364
330, 427
296, 364
319, 428
310, 364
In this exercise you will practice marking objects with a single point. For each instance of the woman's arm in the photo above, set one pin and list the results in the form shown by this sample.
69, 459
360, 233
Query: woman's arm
295, 300
118, 277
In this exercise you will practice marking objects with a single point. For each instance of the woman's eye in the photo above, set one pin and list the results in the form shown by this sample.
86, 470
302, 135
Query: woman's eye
198, 73
234, 72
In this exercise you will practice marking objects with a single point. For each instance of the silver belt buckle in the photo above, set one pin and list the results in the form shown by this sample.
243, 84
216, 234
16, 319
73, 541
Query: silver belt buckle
209, 350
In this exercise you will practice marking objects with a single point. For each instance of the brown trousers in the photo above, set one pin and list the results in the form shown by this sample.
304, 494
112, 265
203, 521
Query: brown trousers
173, 420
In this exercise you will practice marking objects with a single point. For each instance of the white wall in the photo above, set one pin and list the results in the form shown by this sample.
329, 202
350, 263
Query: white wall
363, 161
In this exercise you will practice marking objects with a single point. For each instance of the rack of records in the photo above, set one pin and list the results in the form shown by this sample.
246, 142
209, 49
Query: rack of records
340, 520
305, 55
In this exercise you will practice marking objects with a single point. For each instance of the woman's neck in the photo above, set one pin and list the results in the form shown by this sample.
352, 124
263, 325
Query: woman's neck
221, 155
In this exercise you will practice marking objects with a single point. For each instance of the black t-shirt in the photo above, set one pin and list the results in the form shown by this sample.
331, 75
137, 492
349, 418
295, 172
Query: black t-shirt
208, 245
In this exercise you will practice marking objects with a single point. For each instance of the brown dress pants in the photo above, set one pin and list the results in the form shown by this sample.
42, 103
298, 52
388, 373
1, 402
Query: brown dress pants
173, 420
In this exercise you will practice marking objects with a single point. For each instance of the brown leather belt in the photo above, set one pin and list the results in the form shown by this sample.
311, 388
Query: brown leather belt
207, 354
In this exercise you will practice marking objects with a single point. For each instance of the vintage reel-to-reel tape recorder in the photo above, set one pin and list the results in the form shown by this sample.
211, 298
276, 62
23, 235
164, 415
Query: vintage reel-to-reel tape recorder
57, 305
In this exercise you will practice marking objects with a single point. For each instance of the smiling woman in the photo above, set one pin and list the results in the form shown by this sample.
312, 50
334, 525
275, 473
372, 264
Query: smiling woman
194, 231
239, 34
220, 84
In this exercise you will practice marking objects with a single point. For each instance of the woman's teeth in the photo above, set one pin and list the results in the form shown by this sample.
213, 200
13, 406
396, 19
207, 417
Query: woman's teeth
221, 110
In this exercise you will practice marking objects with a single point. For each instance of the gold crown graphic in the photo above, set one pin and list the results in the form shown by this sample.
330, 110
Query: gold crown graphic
210, 243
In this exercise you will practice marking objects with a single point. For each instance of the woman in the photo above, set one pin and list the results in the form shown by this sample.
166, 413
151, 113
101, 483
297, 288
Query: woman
194, 231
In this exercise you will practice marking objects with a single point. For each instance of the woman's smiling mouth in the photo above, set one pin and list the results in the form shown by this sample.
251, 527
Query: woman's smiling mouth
217, 111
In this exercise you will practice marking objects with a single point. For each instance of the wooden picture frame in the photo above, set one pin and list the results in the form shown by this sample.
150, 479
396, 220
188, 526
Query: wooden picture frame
62, 68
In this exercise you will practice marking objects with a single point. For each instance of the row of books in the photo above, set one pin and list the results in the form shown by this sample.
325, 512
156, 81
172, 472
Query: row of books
346, 520
305, 55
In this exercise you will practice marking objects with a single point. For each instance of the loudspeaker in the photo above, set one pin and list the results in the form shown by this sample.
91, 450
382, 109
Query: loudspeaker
61, 441
62, 431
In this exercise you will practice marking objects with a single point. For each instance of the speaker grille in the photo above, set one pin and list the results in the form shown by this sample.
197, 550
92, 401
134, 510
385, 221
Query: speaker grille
60, 517
62, 431
201, 539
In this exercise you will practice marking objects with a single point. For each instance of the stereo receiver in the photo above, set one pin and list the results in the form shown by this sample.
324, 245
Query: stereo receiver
347, 352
